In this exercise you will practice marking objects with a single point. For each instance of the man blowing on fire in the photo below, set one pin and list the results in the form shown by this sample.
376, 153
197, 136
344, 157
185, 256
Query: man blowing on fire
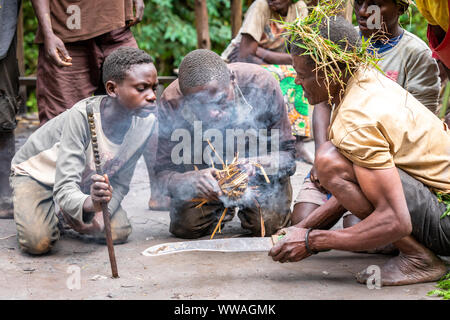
216, 112
57, 162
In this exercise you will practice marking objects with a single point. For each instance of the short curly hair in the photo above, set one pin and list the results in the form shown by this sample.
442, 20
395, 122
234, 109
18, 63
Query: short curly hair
200, 67
121, 60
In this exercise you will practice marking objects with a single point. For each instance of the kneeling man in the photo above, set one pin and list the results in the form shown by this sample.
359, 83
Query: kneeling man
240, 109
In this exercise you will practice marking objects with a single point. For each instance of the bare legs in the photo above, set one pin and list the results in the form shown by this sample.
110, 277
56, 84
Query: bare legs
415, 263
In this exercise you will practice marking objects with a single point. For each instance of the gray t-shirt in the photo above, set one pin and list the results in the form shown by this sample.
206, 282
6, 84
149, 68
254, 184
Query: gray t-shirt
9, 10
411, 65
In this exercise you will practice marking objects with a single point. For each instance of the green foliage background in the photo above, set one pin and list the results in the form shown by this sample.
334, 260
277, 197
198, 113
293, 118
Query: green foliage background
168, 32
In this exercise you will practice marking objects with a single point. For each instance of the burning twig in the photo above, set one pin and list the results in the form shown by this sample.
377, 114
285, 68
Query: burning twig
233, 181
220, 221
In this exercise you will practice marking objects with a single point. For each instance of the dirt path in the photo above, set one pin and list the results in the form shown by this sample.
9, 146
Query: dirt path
184, 276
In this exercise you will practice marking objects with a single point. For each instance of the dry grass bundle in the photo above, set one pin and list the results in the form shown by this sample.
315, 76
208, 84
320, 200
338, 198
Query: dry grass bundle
233, 181
328, 56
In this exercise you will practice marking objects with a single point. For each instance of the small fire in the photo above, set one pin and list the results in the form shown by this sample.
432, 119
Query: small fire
233, 181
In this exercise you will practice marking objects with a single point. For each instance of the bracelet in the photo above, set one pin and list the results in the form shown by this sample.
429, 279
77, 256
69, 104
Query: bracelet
308, 249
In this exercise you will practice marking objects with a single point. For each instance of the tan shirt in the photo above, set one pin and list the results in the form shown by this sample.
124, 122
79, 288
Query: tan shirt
379, 125
92, 19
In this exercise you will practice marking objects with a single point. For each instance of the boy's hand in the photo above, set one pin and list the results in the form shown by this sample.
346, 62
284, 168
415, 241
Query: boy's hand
96, 225
101, 191
56, 51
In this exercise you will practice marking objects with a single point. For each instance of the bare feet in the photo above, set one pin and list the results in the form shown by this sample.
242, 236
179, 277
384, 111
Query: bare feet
409, 269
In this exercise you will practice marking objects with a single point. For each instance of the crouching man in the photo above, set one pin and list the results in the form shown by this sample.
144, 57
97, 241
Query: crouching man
240, 108
56, 164
387, 160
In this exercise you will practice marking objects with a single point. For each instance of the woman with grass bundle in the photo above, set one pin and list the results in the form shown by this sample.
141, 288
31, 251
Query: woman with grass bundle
387, 161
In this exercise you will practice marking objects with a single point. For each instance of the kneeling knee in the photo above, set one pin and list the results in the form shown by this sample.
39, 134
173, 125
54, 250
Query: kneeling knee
120, 235
185, 232
36, 244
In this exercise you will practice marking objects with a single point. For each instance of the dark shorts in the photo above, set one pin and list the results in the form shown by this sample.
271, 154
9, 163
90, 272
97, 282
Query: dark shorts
58, 89
423, 205
425, 209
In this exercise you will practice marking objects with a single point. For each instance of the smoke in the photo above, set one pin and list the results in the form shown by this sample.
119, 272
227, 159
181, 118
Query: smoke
250, 125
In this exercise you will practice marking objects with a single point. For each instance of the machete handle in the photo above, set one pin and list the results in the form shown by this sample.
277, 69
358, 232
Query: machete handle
277, 237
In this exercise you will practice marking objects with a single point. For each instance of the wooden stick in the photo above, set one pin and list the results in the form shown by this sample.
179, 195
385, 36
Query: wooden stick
263, 228
263, 171
213, 149
201, 204
220, 221
104, 205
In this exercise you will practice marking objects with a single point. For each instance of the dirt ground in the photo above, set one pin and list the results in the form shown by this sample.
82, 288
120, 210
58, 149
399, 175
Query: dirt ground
237, 276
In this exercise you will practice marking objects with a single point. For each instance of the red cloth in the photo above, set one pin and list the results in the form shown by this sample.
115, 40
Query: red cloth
441, 50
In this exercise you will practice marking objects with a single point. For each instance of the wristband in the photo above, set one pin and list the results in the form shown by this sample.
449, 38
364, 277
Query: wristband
308, 249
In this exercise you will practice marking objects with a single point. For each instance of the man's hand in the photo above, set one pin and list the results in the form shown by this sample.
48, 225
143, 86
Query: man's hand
56, 51
202, 184
138, 12
292, 247
101, 191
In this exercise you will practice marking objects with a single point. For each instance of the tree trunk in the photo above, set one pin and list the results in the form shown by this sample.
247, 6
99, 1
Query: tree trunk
201, 23
236, 17
348, 13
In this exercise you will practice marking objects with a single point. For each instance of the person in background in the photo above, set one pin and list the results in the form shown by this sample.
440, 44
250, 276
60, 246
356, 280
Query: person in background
72, 48
436, 12
260, 41
74, 39
9, 99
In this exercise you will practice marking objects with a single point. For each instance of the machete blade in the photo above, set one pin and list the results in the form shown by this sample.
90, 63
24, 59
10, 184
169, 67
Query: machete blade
218, 245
